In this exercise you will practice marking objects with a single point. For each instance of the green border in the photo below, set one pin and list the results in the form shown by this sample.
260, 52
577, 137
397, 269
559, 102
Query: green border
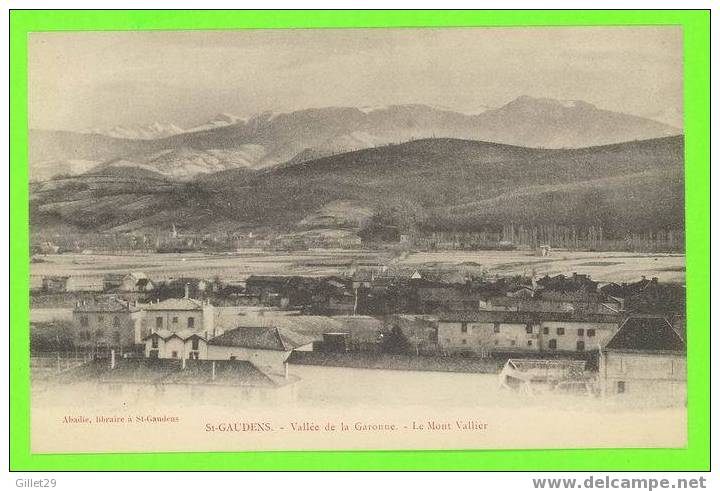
696, 27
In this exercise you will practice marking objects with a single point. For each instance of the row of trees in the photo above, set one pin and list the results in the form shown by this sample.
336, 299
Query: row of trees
593, 238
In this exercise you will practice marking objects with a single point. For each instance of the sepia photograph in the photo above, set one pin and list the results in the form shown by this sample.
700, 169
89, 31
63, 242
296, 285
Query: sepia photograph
357, 239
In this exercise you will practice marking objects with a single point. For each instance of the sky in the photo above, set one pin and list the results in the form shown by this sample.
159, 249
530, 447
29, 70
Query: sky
88, 80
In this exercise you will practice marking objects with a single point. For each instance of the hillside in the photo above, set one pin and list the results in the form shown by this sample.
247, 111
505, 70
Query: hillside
269, 139
433, 184
54, 153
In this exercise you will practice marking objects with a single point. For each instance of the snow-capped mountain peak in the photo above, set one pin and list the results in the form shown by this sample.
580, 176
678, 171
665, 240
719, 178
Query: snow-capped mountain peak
138, 132
218, 121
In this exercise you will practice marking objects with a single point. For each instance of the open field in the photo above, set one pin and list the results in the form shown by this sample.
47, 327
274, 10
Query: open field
602, 266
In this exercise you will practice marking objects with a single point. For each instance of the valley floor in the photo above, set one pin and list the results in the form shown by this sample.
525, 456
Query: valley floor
237, 266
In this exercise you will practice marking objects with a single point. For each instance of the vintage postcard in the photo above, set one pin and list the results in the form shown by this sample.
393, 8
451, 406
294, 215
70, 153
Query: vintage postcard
301, 239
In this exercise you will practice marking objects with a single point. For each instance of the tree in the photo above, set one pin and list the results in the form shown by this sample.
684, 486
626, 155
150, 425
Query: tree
396, 342
403, 213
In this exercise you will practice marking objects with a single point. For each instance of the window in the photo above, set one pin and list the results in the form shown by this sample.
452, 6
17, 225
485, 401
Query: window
620, 386
84, 321
191, 322
155, 342
591, 332
581, 332
158, 322
529, 342
581, 345
546, 330
497, 342
463, 327
194, 355
195, 344
116, 321
560, 331
100, 319
175, 320
116, 337
433, 336
529, 329
174, 354
464, 341
512, 342
99, 333
85, 335
233, 357
552, 344
496, 327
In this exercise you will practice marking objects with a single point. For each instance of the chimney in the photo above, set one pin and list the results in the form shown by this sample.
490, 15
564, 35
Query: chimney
654, 280
112, 359
187, 290
183, 362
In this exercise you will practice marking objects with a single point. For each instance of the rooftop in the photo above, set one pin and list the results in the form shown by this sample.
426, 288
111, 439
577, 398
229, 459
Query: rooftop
267, 338
649, 334
524, 317
175, 304
170, 371
307, 325
167, 334
111, 304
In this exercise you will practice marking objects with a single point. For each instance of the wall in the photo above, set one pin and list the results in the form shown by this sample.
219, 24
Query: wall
268, 360
102, 330
568, 341
170, 345
646, 375
139, 327
481, 338
182, 320
478, 339
208, 320
183, 348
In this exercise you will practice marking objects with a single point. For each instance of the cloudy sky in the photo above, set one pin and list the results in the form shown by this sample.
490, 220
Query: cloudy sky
100, 80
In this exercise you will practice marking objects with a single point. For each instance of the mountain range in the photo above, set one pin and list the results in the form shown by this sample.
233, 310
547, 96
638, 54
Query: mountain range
428, 183
270, 140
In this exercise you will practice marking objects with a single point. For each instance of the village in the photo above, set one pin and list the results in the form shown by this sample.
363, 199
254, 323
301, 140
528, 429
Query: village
559, 333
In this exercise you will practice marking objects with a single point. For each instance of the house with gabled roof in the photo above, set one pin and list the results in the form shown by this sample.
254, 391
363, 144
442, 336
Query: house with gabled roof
177, 314
486, 331
268, 348
647, 358
107, 322
136, 282
185, 344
